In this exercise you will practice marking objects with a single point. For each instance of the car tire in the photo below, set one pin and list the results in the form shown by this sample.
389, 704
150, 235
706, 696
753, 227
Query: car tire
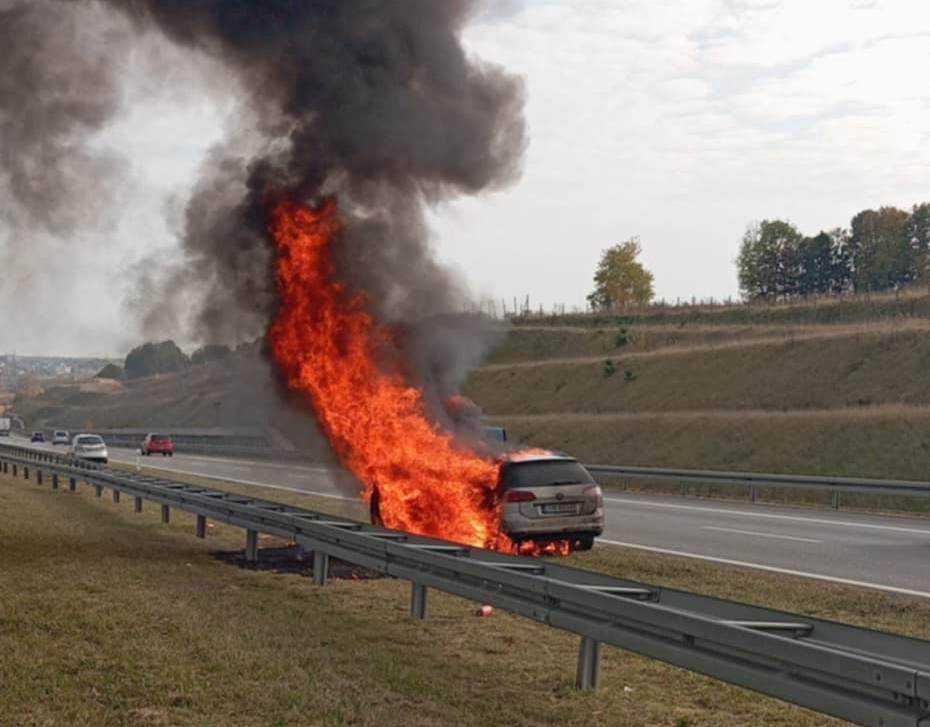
585, 542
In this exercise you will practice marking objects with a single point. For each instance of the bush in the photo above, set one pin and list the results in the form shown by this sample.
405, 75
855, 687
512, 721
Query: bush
110, 371
609, 368
155, 358
210, 352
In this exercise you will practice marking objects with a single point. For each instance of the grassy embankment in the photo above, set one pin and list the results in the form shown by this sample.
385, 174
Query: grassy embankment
107, 617
833, 387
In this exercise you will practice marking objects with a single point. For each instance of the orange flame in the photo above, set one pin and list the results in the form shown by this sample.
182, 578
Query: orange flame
328, 346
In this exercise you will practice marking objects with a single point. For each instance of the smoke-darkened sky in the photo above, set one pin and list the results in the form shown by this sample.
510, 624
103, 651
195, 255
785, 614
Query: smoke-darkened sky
677, 122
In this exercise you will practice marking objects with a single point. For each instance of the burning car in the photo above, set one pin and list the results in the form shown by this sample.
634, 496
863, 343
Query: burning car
549, 496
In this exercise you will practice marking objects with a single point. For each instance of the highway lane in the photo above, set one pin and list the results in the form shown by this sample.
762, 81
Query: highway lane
884, 552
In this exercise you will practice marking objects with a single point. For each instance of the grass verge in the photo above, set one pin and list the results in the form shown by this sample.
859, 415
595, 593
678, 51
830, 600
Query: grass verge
107, 617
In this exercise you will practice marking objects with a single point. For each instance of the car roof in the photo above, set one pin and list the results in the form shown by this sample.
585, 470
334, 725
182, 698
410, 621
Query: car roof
535, 455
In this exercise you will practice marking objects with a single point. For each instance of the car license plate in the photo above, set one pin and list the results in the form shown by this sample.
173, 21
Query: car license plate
559, 508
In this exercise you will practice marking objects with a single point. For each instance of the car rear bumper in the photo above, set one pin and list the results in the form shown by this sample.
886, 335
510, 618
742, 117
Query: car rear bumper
517, 526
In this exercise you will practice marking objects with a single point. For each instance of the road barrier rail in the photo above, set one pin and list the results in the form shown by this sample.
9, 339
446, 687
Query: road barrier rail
865, 676
753, 481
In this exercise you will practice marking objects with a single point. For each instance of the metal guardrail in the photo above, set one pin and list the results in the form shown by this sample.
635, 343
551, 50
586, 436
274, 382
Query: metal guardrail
867, 677
755, 480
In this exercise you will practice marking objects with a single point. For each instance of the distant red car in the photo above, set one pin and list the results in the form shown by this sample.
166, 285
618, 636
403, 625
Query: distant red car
157, 444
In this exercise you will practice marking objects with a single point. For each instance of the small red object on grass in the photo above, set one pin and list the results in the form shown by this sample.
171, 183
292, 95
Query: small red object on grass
485, 610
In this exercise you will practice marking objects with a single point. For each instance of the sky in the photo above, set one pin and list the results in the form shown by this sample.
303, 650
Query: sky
678, 121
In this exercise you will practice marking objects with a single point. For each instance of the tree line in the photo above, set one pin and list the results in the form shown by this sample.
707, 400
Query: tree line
883, 249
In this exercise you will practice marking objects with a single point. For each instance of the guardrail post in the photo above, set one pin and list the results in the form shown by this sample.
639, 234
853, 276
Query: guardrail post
54, 480
201, 526
589, 664
418, 600
752, 493
165, 514
836, 500
251, 546
138, 504
72, 484
115, 495
320, 567
684, 489
38, 477
25, 472
99, 490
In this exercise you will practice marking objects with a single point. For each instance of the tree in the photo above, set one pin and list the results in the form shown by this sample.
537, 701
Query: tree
620, 279
769, 260
919, 231
210, 352
155, 358
881, 247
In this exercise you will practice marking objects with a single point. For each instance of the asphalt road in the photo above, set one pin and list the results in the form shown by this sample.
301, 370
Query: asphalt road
882, 552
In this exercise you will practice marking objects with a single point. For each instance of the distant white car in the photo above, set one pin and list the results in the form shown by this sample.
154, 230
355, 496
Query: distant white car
90, 447
60, 437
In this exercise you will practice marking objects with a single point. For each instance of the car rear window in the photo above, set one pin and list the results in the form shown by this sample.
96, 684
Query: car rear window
93, 439
544, 474
161, 438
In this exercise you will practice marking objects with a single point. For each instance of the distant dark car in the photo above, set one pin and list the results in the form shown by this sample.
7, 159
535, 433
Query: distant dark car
157, 444
37, 437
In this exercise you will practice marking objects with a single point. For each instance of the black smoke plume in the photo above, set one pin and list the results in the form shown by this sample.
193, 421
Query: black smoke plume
375, 101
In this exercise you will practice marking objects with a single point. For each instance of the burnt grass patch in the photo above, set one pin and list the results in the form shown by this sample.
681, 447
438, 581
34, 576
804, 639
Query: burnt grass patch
294, 559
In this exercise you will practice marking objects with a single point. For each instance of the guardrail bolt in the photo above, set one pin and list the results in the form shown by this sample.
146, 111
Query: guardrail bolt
201, 526
72, 484
138, 505
251, 546
165, 514
589, 664
54, 480
115, 495
418, 601
320, 567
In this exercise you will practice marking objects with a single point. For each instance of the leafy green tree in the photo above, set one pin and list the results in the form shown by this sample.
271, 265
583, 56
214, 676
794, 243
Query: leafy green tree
882, 254
155, 358
919, 230
769, 260
620, 279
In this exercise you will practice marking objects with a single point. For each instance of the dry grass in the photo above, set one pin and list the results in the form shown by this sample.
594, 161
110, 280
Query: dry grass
914, 301
107, 617
885, 443
530, 346
822, 373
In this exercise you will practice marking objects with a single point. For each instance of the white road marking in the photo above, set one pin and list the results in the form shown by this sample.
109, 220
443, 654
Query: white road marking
770, 568
772, 516
757, 534
256, 484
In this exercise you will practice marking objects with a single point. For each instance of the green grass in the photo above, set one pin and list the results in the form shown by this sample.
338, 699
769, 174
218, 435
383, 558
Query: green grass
110, 618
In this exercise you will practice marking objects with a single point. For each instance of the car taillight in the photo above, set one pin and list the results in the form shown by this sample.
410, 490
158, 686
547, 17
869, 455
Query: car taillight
519, 496
595, 492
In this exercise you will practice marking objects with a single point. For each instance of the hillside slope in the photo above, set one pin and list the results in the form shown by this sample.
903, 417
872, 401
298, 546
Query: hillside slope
845, 398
